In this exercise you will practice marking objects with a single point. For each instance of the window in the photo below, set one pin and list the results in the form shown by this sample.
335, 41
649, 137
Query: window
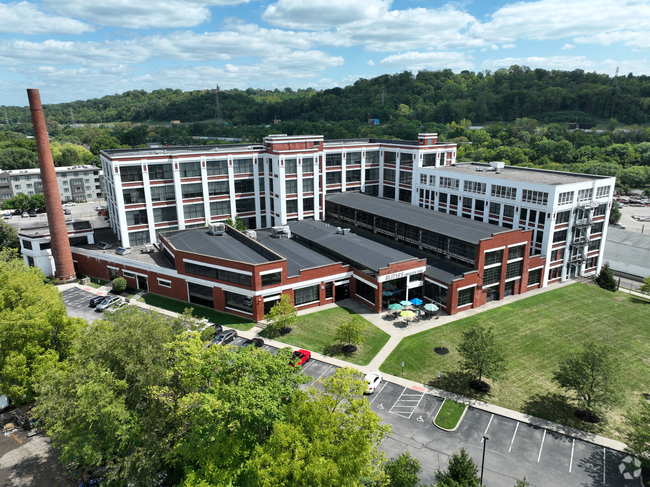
479, 205
132, 195
432, 180
160, 171
389, 175
137, 217
239, 302
30, 185
17, 186
194, 211
218, 188
291, 166
307, 164
516, 252
194, 190
372, 157
442, 198
271, 279
597, 228
292, 206
602, 192
559, 236
371, 190
190, 169
261, 183
542, 218
405, 195
532, 216
435, 292
67, 190
332, 160
406, 159
308, 185
565, 198
245, 205
405, 177
390, 157
535, 197
508, 211
242, 166
601, 210
465, 296
585, 194
562, 217
389, 192
493, 274
474, 187
594, 245
555, 273
305, 295
47, 245
27, 244
218, 208
353, 176
467, 203
333, 177
429, 159
557, 254
494, 257
423, 179
139, 238
164, 214
364, 291
164, 283
504, 192
534, 277
244, 186
308, 204
372, 174
453, 199
450, 183
353, 158
495, 208
218, 274
216, 168
513, 269
131, 173
329, 290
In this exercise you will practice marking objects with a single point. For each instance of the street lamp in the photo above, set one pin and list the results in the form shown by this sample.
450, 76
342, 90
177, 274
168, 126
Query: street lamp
485, 440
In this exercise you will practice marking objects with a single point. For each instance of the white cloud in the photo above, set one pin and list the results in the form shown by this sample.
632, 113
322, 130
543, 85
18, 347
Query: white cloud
568, 63
24, 17
566, 47
626, 66
508, 46
638, 40
322, 14
370, 63
152, 14
494, 47
418, 61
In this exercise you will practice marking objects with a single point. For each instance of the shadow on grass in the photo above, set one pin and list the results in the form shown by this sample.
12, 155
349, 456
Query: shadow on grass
555, 407
458, 383
635, 300
336, 350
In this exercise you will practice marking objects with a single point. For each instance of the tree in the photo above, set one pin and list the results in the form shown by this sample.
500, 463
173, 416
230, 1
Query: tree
645, 287
592, 374
637, 435
605, 278
119, 284
403, 471
614, 214
461, 472
104, 141
522, 483
481, 354
281, 316
237, 224
9, 237
331, 437
350, 331
19, 202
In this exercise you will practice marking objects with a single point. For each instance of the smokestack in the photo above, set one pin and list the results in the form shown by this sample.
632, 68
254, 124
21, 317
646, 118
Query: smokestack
60, 244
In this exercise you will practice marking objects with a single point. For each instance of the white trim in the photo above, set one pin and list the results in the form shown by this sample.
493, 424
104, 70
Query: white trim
160, 282
399, 275
340, 283
495, 248
238, 311
466, 287
113, 267
364, 299
491, 285
492, 265
128, 274
310, 285
271, 298
434, 282
517, 244
513, 279
263, 273
228, 269
535, 268
516, 260
464, 305
307, 304
365, 282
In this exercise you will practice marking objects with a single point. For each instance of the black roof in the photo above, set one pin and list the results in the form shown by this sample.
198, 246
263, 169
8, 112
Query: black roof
354, 248
464, 229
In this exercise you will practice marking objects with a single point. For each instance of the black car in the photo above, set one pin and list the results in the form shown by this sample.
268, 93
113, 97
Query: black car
253, 342
224, 337
96, 300
216, 329
33, 214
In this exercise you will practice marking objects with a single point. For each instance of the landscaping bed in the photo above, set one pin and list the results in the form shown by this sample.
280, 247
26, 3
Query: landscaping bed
536, 333
450, 415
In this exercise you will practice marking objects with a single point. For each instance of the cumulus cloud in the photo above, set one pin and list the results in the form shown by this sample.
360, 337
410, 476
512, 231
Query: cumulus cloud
568, 63
418, 61
566, 47
370, 63
25, 18
152, 14
508, 46
638, 40
322, 14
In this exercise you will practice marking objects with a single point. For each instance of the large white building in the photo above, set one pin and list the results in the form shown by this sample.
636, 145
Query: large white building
288, 178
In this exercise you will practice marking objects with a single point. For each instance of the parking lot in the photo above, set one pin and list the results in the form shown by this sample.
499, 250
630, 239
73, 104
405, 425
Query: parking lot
514, 450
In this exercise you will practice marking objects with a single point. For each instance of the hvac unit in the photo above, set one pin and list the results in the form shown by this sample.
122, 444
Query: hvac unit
217, 228
251, 234
148, 248
280, 232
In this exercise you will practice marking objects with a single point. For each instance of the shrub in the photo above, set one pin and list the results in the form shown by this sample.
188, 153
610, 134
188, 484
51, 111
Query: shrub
119, 284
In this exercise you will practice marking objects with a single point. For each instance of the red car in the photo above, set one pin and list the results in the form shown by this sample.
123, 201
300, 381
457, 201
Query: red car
300, 357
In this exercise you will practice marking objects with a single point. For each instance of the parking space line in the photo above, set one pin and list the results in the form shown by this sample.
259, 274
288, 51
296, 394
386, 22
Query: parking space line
513, 437
379, 392
573, 445
541, 446
312, 382
304, 367
412, 408
486, 429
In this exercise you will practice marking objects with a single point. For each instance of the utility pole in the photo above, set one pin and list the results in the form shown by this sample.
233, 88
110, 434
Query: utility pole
217, 109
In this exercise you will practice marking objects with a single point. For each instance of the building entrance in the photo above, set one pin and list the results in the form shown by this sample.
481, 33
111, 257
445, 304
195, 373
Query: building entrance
509, 289
492, 294
142, 283
342, 291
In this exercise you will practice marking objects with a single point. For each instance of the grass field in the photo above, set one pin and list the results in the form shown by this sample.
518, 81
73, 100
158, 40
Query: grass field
96, 283
536, 333
450, 414
315, 332
223, 319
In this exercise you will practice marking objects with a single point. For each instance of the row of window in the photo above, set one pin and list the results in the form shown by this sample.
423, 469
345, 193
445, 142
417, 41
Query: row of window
218, 274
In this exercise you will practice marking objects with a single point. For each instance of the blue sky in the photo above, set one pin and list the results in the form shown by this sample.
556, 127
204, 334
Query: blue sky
80, 49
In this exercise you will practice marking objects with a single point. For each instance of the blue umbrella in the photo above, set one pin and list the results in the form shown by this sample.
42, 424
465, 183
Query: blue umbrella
387, 293
405, 303
416, 301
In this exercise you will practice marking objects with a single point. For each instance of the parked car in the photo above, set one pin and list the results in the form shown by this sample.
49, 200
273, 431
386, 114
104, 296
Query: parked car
253, 342
373, 379
104, 246
106, 303
8, 216
117, 305
100, 208
300, 357
33, 214
25, 215
66, 211
96, 300
224, 337
122, 251
70, 203
619, 225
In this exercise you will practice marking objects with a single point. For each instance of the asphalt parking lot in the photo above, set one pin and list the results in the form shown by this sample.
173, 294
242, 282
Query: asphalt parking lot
514, 450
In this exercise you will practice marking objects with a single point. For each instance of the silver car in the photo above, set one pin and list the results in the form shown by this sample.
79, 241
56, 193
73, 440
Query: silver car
110, 300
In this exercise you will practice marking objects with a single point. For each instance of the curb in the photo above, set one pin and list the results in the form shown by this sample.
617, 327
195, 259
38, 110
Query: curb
460, 420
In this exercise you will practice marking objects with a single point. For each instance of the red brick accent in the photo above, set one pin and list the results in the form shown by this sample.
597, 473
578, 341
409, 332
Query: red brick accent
56, 219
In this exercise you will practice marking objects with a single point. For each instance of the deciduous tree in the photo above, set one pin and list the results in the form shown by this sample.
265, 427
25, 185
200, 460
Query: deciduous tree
9, 237
281, 316
482, 354
637, 435
350, 331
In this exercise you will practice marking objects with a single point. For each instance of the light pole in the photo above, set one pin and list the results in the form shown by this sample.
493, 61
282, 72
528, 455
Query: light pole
485, 440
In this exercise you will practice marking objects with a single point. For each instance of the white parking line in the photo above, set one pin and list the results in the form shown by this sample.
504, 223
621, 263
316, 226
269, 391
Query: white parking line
573, 445
513, 437
377, 393
486, 429
407, 407
604, 459
541, 446
312, 382
304, 367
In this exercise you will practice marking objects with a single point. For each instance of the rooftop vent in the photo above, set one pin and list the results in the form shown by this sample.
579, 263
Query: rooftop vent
251, 234
342, 231
281, 232
147, 249
217, 228
497, 166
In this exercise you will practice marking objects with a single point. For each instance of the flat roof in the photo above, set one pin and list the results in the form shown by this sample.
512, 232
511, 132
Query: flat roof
44, 230
199, 241
368, 253
457, 227
298, 256
37, 170
516, 173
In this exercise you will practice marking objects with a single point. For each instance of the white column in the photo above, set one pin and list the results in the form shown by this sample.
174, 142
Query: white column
206, 193
179, 195
267, 189
281, 191
343, 167
381, 173
256, 186
363, 170
121, 212
397, 166
299, 184
147, 198
231, 189
318, 214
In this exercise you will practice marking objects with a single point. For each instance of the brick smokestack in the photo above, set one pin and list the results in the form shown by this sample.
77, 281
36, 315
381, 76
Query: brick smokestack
60, 244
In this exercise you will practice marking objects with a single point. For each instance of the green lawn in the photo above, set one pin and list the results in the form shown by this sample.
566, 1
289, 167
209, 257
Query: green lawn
96, 283
450, 414
315, 332
536, 333
230, 321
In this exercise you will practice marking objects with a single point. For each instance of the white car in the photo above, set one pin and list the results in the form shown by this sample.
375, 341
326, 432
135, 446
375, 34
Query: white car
373, 379
71, 203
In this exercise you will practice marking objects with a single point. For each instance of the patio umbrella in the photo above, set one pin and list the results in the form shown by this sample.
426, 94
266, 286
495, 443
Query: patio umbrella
387, 293
405, 303
416, 301
395, 307
407, 314
430, 307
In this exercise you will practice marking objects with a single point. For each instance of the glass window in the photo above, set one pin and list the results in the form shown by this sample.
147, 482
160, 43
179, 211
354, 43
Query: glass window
333, 177
429, 159
292, 206
244, 186
495, 208
242, 166
532, 216
139, 238
308, 204
389, 192
131, 173
216, 168
559, 236
479, 205
405, 177
218, 188
239, 302
504, 192
291, 186
405, 195
494, 257
450, 183
516, 252
465, 296
442, 198
435, 292
372, 157
467, 203
333, 160
389, 175
534, 277
365, 292
291, 166
390, 157
271, 279
190, 169
308, 185
137, 217
193, 190
406, 159
565, 198
353, 176
371, 190
160, 171
513, 269
133, 195
493, 274
329, 290
372, 174
164, 214
244, 205
307, 164
453, 199
218, 208
353, 158
162, 193
508, 211
306, 295
194, 211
